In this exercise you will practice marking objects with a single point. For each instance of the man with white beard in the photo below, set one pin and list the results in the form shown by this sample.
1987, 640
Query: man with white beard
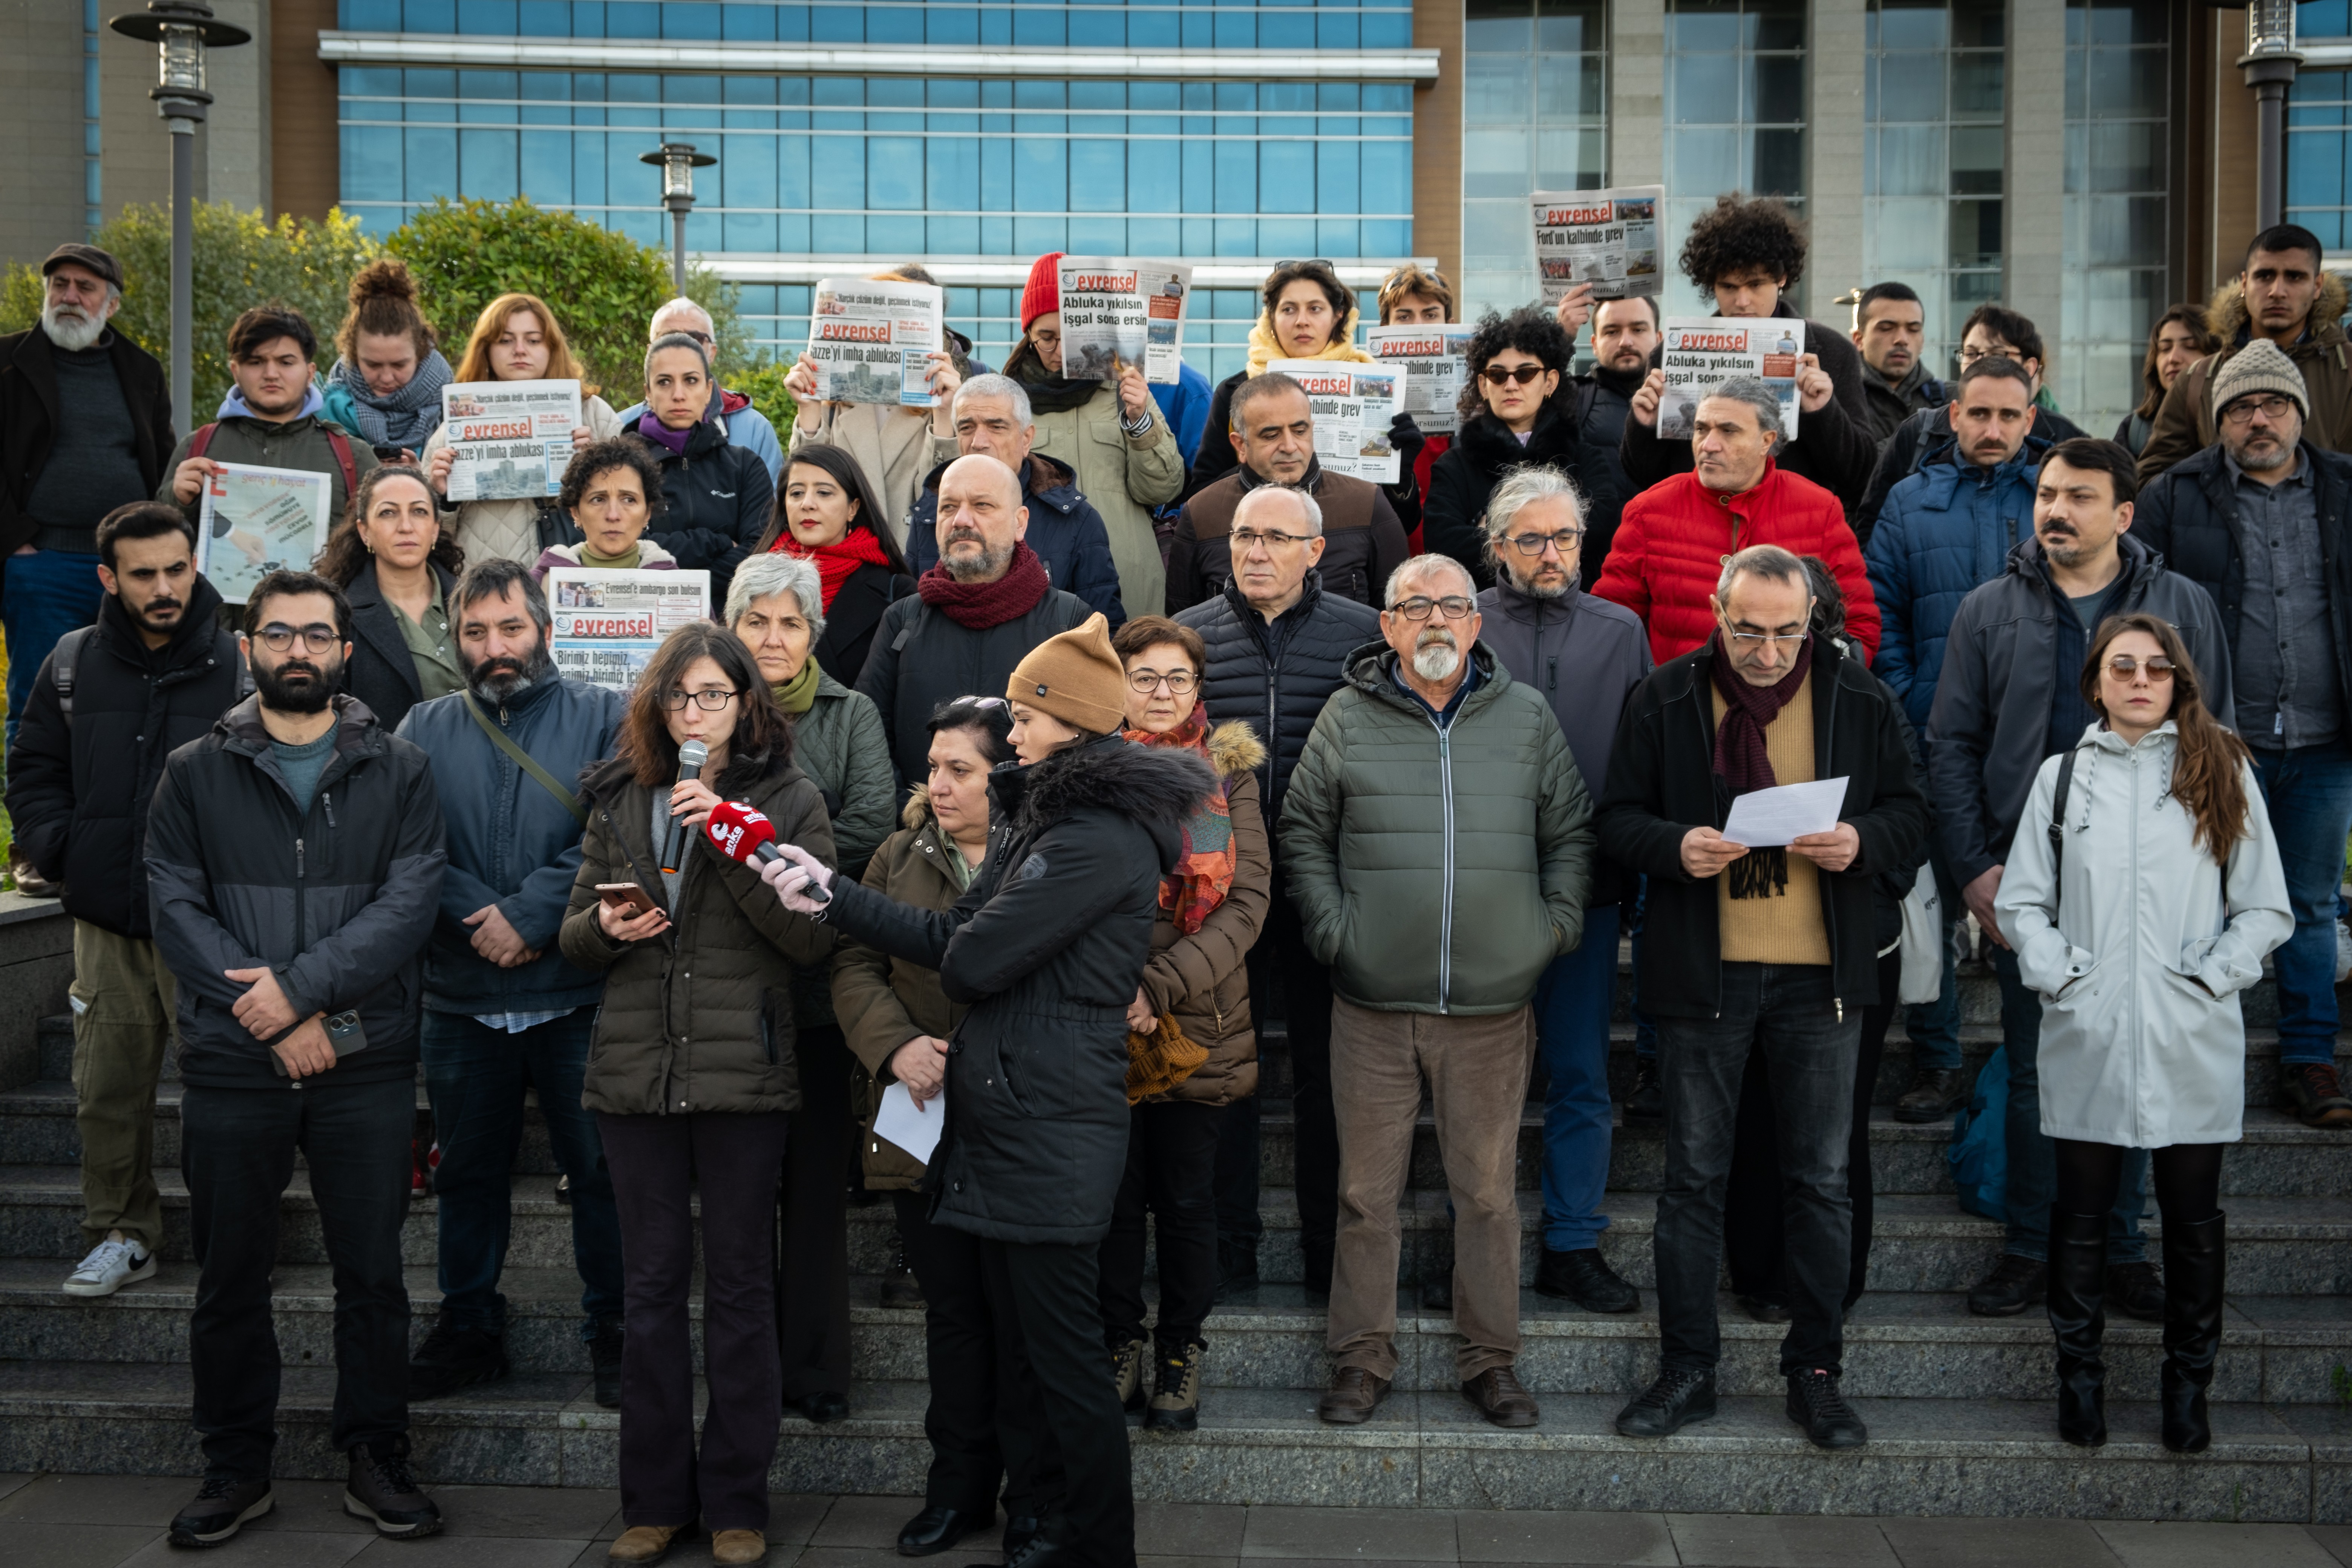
1437, 840
85, 426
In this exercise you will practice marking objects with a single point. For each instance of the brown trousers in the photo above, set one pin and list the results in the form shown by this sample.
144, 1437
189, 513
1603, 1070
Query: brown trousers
1477, 1071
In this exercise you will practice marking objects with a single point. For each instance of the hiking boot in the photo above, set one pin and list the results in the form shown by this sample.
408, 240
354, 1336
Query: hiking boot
605, 1356
1352, 1397
1647, 1100
901, 1289
1126, 1374
1677, 1398
2014, 1284
218, 1511
1816, 1403
381, 1489
2137, 1289
1934, 1094
113, 1263
2311, 1092
1501, 1398
1584, 1277
454, 1357
1176, 1402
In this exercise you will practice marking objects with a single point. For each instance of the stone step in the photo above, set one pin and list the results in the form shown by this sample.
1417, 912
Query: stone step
1980, 1457
1907, 1345
2281, 1247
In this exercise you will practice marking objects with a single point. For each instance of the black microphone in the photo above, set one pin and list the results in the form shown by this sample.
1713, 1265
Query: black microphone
690, 758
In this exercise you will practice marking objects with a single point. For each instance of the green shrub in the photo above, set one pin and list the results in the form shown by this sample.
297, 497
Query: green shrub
765, 385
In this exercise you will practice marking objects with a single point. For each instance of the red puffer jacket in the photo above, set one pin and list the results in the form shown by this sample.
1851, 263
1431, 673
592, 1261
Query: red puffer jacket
1669, 550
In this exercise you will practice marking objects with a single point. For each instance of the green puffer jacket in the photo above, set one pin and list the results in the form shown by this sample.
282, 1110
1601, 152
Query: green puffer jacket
1437, 871
700, 1018
884, 1001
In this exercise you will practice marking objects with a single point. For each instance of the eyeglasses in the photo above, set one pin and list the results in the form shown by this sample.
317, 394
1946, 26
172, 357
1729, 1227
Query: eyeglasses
1310, 261
1969, 357
709, 701
1272, 538
1144, 682
1755, 640
2273, 408
1495, 375
1453, 606
705, 339
1536, 544
278, 637
2122, 667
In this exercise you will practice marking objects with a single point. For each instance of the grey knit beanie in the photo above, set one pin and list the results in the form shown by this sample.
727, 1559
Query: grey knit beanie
2260, 366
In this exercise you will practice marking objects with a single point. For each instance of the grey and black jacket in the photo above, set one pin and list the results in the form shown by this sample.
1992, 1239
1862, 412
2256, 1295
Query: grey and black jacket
338, 901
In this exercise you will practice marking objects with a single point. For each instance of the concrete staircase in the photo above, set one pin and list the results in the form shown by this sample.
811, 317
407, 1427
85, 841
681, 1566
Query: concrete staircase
1959, 1407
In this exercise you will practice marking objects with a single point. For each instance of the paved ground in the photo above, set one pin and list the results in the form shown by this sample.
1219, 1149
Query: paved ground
100, 1521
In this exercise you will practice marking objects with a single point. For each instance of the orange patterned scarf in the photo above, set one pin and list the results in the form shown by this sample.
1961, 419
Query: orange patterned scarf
1204, 873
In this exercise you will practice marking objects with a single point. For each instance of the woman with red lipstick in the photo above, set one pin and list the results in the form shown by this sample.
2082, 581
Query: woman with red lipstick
827, 514
2141, 893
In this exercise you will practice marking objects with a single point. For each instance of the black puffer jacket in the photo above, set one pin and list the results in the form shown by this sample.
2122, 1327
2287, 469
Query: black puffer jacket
716, 500
1453, 522
922, 658
78, 792
1276, 678
382, 672
1046, 946
338, 901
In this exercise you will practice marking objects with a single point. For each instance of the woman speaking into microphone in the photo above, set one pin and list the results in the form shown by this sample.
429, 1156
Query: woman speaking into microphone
1046, 948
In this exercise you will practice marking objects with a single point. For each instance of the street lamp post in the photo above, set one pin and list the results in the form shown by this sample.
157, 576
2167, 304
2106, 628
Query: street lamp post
677, 162
2269, 63
181, 30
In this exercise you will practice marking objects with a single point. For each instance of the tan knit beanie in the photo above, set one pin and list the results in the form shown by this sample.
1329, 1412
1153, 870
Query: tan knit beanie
2260, 366
1075, 677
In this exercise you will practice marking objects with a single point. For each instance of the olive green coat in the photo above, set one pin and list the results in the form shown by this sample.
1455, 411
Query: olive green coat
700, 1018
1124, 476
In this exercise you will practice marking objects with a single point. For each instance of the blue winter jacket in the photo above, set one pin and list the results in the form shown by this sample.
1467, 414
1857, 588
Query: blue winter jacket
1185, 406
1944, 530
1065, 529
511, 843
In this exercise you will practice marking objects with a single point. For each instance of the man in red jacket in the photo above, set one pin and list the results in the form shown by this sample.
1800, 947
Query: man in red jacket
1675, 536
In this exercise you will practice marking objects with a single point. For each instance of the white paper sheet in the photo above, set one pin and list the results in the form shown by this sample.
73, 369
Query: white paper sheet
914, 1128
1767, 816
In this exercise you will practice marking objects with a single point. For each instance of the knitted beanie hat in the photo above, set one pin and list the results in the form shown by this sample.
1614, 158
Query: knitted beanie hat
1075, 677
1044, 292
2260, 366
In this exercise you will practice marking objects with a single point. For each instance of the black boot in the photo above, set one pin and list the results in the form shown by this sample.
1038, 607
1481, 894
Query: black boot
2078, 1276
2194, 1270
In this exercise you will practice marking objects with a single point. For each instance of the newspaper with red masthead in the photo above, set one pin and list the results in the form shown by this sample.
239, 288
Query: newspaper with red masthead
1354, 405
872, 340
608, 622
1701, 352
1606, 238
1435, 358
1117, 310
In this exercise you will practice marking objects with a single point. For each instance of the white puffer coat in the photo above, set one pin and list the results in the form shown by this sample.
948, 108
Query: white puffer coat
2139, 948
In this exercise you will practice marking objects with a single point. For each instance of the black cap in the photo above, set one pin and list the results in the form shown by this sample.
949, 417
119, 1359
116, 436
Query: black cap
88, 255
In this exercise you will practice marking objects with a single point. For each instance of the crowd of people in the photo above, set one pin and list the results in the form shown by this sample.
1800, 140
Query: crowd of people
1094, 722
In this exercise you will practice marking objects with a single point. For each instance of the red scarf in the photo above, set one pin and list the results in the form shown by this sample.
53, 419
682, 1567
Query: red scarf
1204, 872
836, 562
976, 606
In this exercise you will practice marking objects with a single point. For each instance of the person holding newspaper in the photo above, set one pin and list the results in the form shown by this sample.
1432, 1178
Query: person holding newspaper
895, 445
516, 337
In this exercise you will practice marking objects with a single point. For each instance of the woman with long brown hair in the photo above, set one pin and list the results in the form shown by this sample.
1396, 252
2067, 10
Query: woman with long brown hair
2141, 894
396, 565
2179, 340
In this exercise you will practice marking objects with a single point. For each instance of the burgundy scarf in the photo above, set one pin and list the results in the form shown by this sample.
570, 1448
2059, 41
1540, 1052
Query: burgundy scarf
976, 606
1741, 760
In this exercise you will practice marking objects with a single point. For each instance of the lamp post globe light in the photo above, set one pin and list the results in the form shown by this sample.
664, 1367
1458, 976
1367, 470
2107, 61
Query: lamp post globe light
181, 30
677, 162
2269, 63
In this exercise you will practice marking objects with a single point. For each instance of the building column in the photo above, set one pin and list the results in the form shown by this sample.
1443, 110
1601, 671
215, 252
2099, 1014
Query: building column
1437, 139
236, 132
41, 81
1637, 92
1834, 133
2033, 200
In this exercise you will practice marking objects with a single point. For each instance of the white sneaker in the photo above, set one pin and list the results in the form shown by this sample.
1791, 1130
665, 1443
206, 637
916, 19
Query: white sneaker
111, 1265
2342, 951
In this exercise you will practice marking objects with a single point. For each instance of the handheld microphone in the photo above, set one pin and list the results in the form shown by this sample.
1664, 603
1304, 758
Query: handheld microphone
690, 758
744, 833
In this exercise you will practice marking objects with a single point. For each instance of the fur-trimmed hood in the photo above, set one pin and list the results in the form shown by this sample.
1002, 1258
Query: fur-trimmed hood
1154, 787
916, 814
1235, 749
2226, 315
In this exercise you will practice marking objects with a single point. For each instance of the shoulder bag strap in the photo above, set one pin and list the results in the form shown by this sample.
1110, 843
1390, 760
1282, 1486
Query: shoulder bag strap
522, 759
2058, 820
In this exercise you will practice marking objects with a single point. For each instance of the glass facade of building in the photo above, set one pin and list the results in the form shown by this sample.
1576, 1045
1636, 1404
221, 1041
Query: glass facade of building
1932, 158
1535, 114
2116, 205
1735, 113
2319, 128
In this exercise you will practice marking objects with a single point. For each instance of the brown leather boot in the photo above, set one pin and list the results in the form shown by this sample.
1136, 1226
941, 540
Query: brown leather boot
1500, 1398
1352, 1397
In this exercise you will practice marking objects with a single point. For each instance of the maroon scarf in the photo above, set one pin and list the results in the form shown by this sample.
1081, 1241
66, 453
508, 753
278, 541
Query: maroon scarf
1741, 760
976, 606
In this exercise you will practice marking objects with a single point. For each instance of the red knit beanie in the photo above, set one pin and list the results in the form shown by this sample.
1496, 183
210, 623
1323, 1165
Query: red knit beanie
1044, 290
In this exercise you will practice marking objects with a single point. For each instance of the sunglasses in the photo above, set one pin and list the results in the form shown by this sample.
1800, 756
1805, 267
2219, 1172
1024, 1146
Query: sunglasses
1496, 375
2122, 667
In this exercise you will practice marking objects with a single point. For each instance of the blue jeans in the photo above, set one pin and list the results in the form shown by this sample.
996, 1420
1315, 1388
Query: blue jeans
2309, 792
475, 1077
1571, 1012
2033, 1163
43, 596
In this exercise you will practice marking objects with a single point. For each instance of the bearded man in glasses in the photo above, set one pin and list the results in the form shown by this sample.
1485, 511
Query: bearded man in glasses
1673, 539
1766, 944
1437, 843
